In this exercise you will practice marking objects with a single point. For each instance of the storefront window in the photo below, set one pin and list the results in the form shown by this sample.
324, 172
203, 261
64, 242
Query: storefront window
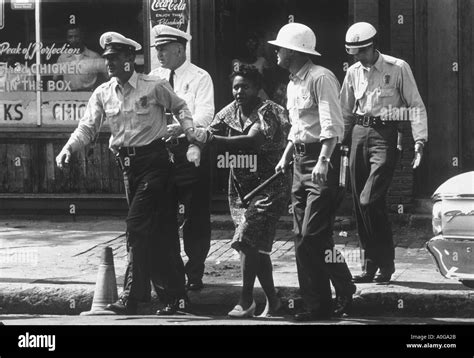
70, 65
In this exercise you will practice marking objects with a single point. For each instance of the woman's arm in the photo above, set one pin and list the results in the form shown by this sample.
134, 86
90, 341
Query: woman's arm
252, 141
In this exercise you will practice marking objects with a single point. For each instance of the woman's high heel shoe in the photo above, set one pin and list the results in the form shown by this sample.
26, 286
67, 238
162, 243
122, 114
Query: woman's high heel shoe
239, 312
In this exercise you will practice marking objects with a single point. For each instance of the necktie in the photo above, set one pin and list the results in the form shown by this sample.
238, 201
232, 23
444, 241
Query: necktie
169, 116
171, 79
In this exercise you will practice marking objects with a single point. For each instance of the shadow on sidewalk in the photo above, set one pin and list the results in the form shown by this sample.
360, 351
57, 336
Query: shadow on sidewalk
456, 286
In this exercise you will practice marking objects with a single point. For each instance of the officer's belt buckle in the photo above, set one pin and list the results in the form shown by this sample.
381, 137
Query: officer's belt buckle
300, 148
131, 151
366, 121
174, 142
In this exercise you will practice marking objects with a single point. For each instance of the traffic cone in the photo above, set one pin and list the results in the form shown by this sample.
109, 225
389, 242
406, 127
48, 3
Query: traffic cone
105, 287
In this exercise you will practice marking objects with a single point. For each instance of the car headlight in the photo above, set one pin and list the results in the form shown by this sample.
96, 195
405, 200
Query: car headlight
436, 221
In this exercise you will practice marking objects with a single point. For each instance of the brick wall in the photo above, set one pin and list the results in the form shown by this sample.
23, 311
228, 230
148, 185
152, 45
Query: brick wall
402, 46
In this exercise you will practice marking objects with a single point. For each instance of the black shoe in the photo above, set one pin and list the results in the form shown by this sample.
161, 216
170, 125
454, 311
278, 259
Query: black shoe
365, 277
177, 305
383, 277
308, 316
169, 310
344, 303
124, 307
195, 286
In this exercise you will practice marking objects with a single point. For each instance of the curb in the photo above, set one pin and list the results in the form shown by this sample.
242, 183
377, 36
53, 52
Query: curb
219, 299
347, 222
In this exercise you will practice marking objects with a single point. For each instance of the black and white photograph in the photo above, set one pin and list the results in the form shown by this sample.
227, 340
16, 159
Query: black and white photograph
234, 171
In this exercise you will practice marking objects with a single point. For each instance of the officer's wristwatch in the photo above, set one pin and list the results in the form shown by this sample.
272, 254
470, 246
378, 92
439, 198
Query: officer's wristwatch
324, 159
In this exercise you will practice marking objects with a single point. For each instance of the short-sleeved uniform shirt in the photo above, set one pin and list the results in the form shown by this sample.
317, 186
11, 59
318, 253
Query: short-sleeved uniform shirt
313, 105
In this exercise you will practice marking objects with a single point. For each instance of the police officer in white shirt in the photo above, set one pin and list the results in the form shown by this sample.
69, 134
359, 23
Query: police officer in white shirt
190, 185
133, 106
378, 92
316, 128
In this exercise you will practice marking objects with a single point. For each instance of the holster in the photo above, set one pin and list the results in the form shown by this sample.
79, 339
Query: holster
121, 165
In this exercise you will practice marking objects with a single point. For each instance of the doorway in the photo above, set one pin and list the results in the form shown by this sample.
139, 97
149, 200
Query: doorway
237, 20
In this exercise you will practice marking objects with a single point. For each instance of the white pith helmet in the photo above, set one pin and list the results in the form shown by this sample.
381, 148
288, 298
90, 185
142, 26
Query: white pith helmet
359, 35
297, 37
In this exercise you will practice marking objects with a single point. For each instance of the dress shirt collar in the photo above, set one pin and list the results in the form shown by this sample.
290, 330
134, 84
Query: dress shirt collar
303, 71
132, 81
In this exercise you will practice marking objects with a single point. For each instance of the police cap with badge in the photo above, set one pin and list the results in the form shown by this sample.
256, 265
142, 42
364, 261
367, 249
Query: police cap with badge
113, 43
359, 36
165, 34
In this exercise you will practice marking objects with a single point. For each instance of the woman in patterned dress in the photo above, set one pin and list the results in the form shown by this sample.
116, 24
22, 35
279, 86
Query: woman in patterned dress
258, 129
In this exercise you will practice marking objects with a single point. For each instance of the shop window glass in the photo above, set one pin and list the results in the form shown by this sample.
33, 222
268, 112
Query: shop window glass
71, 65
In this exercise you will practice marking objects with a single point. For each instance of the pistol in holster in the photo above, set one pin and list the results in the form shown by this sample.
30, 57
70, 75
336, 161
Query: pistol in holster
121, 165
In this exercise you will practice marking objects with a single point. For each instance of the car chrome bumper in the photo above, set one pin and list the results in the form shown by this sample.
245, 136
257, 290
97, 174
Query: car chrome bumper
454, 257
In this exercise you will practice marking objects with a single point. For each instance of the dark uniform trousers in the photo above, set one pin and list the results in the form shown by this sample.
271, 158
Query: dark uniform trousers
148, 174
190, 186
314, 209
372, 164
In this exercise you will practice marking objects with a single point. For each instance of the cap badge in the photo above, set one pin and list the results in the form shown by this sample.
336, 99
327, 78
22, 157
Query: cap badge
108, 39
355, 38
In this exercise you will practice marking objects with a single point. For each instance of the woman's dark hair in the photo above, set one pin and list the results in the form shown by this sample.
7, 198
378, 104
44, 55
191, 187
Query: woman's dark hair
248, 72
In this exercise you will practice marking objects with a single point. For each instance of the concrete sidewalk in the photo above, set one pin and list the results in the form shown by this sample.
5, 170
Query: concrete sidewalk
50, 267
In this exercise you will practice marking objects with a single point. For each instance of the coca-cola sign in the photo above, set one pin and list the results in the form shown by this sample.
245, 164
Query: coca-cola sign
174, 13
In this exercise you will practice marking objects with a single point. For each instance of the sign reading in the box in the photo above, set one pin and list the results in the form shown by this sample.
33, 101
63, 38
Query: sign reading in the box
20, 77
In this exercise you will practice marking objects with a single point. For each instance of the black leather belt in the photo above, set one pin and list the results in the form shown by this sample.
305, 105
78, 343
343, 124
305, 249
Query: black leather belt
307, 148
369, 121
174, 142
145, 149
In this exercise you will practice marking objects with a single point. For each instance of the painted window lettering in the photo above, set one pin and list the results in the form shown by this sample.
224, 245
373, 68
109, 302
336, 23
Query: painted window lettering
11, 111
